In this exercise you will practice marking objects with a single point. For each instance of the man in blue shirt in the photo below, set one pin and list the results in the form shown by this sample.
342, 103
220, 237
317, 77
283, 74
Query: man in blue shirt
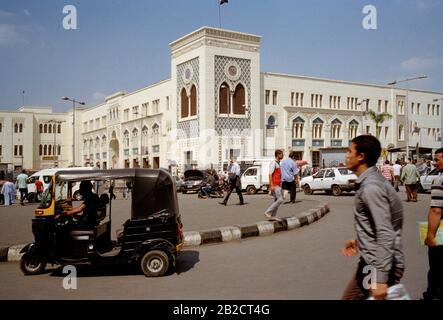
22, 185
288, 172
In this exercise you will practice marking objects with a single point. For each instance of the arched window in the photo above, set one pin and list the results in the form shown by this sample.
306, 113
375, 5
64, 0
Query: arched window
155, 133
193, 100
54, 128
59, 149
126, 138
41, 128
45, 128
335, 129
224, 99
353, 128
239, 100
297, 128
16, 128
59, 128
20, 127
104, 141
50, 129
184, 103
49, 150
45, 150
40, 150
317, 128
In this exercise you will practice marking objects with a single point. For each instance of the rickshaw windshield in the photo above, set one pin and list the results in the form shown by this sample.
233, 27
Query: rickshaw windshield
46, 198
61, 191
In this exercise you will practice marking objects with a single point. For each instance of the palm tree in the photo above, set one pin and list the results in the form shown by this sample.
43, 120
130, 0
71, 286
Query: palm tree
378, 118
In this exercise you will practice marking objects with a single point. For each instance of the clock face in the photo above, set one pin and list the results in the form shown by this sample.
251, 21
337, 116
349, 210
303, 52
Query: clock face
187, 74
232, 70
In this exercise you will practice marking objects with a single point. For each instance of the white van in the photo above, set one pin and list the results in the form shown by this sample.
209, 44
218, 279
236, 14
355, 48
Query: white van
256, 178
45, 176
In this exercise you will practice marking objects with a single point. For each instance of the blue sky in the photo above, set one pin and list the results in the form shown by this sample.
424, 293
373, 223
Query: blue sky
123, 45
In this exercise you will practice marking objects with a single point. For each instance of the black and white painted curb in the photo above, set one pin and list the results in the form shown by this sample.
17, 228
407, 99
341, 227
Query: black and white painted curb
262, 228
219, 235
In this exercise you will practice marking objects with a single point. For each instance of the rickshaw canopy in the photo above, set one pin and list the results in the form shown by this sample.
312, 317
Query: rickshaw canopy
153, 190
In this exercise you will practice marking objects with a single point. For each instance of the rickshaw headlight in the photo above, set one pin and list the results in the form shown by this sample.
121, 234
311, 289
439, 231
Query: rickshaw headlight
91, 246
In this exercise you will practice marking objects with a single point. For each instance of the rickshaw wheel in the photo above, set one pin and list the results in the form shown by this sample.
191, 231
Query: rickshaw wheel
155, 263
31, 264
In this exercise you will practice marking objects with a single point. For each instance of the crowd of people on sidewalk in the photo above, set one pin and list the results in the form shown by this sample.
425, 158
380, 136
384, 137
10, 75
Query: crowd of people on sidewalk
9, 189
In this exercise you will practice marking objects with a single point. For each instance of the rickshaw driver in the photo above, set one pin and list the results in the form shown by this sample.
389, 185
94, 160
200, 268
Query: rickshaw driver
89, 206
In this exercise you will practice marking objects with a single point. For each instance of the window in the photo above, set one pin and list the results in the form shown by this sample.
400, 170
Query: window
401, 132
316, 100
145, 107
379, 106
50, 128
18, 150
429, 109
353, 128
418, 108
193, 101
412, 108
155, 134
334, 102
16, 128
239, 100
297, 128
266, 96
155, 105
1, 127
433, 109
292, 98
91, 125
317, 128
40, 150
135, 111
59, 149
274, 98
184, 103
386, 132
271, 122
126, 115
400, 107
1, 150
299, 99
85, 126
40, 128
330, 174
251, 172
59, 128
45, 150
386, 105
126, 138
335, 129
104, 121
49, 150
167, 103
368, 129
437, 111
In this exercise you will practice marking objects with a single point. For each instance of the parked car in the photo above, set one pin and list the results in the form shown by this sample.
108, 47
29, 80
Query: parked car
193, 180
426, 181
331, 180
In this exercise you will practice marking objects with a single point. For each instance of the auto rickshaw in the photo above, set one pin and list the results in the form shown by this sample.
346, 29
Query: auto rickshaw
152, 236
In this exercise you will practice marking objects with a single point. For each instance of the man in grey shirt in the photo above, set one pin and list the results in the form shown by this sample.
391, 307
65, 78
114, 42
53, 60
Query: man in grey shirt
378, 215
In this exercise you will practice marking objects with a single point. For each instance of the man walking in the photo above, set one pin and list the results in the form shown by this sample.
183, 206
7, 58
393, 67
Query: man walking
435, 250
22, 186
275, 183
234, 182
378, 215
388, 172
289, 172
396, 168
8, 192
410, 177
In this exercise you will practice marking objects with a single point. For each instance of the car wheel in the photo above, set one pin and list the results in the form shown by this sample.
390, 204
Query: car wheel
31, 264
336, 190
251, 190
78, 196
155, 263
307, 189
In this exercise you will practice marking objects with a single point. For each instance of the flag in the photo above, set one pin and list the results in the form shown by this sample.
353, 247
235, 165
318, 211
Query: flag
223, 1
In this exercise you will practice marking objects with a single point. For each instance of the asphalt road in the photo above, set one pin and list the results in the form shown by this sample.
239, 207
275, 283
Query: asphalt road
304, 263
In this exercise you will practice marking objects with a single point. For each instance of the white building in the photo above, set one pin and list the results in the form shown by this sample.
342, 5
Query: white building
217, 103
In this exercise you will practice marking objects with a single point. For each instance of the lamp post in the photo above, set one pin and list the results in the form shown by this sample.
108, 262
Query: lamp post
406, 106
55, 149
73, 125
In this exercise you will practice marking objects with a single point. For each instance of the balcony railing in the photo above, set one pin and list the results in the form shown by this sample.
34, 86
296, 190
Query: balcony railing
336, 142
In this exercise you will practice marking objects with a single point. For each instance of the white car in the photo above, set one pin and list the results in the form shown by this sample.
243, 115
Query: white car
426, 180
331, 180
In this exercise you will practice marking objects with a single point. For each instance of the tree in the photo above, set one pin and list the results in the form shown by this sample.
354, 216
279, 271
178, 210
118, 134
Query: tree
378, 118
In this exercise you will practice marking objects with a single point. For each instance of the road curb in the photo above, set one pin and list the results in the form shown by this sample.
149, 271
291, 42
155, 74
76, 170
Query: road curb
261, 228
219, 235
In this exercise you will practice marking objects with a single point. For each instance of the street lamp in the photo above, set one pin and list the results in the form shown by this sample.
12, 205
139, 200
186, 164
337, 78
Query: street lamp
55, 149
407, 107
73, 125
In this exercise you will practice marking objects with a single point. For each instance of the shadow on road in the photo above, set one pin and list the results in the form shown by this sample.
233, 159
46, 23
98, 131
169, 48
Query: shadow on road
187, 260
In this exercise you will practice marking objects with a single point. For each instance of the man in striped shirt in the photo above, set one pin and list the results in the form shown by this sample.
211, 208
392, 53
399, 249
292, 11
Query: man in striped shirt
388, 172
435, 251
